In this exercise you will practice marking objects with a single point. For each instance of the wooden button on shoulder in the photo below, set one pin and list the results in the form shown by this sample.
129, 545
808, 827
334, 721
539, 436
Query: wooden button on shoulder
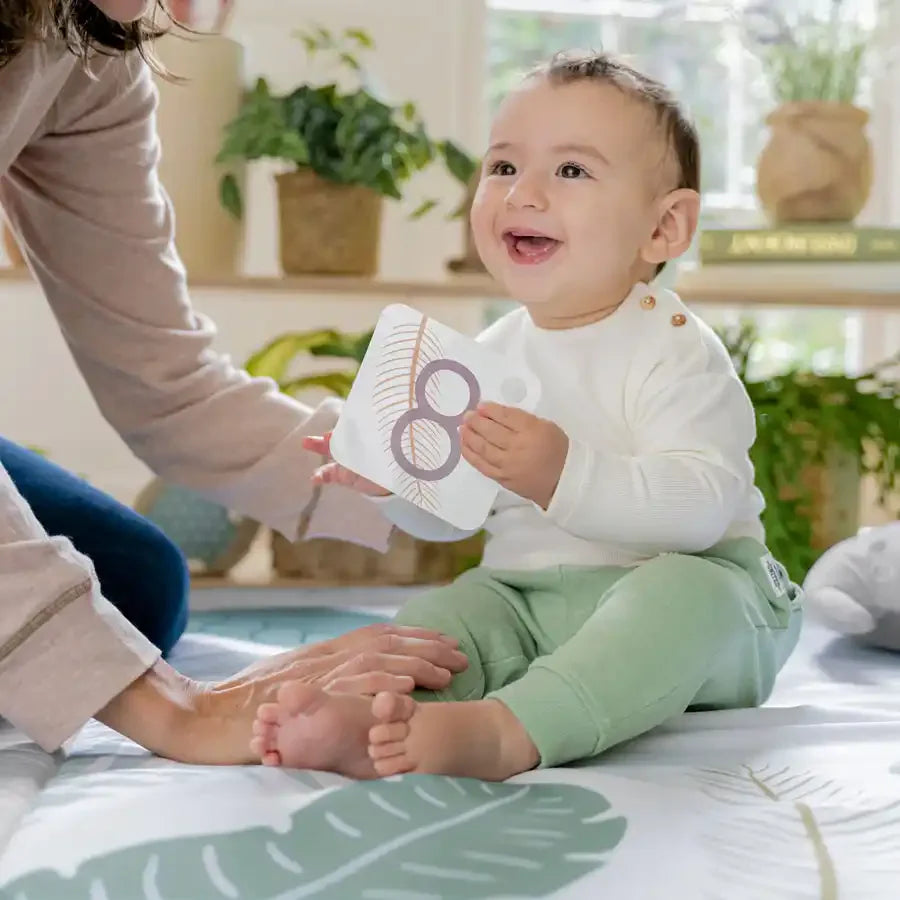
679, 319
648, 302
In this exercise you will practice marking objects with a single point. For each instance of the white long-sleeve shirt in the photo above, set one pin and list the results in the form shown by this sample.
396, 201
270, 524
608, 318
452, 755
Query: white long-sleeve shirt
659, 426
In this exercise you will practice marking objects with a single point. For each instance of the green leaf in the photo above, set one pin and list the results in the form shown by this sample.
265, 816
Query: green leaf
230, 196
361, 37
460, 165
350, 60
273, 360
416, 836
425, 207
337, 382
361, 345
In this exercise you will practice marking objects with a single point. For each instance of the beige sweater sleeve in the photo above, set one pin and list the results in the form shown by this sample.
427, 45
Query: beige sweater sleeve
96, 225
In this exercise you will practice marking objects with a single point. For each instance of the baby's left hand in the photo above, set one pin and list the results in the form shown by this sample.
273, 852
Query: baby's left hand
523, 453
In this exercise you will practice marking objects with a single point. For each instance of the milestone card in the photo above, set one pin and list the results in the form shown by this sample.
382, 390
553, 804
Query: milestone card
400, 425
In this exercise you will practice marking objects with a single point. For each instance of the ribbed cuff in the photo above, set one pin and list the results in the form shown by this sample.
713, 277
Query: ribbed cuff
570, 490
556, 720
70, 668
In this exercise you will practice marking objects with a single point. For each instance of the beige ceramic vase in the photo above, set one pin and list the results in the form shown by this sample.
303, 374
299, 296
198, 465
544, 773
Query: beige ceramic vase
817, 165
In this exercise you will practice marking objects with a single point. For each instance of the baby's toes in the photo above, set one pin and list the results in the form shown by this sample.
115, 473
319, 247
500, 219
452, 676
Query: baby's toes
393, 765
390, 708
388, 732
268, 713
386, 751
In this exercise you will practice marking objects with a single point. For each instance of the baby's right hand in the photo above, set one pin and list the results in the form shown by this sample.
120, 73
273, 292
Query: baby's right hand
334, 473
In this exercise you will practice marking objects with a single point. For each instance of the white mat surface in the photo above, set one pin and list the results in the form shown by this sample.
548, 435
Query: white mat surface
800, 799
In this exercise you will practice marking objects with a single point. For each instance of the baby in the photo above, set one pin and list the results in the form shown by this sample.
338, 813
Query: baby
625, 578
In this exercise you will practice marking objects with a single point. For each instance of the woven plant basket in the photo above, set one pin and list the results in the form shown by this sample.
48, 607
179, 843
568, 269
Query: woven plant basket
817, 165
327, 228
408, 561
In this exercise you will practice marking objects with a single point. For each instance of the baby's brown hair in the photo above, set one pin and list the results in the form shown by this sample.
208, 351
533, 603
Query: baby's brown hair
678, 130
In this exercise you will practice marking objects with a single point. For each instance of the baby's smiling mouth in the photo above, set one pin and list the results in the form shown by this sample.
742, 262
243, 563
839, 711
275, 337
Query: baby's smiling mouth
528, 246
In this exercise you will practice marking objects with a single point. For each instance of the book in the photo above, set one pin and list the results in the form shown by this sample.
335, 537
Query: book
810, 243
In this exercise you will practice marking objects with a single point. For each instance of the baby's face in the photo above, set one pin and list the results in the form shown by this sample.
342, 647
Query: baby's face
569, 191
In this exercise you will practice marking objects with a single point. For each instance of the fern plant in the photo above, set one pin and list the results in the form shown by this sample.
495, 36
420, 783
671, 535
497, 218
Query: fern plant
806, 420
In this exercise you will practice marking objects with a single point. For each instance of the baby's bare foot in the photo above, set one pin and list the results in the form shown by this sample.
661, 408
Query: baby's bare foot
308, 728
477, 739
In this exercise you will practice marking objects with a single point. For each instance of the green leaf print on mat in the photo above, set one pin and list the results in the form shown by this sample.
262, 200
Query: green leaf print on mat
416, 838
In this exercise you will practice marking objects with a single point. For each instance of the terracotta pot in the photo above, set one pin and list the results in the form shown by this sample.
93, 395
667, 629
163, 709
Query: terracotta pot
408, 561
817, 166
327, 228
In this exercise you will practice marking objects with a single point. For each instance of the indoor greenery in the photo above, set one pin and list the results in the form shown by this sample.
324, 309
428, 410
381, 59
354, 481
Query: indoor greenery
806, 419
276, 358
347, 137
807, 58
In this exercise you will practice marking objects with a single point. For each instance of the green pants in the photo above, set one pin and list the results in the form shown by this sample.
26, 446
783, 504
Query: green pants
589, 657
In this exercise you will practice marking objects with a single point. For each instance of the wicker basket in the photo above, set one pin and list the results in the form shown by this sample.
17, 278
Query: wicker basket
817, 166
408, 561
327, 228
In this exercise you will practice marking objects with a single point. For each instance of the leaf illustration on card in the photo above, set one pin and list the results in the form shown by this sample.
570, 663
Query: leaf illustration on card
416, 837
784, 832
406, 351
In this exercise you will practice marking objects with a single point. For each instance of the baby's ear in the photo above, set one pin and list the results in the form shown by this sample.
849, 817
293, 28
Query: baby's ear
676, 224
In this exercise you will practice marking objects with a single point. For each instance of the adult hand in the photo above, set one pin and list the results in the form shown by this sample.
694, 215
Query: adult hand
210, 724
380, 657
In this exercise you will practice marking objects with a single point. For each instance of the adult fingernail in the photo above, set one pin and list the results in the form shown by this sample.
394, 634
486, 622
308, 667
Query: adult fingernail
447, 639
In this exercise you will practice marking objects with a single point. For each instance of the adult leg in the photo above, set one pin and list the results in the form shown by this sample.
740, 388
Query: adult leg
139, 569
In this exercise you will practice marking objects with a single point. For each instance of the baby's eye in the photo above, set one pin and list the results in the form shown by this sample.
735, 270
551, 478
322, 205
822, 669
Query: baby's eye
572, 170
501, 167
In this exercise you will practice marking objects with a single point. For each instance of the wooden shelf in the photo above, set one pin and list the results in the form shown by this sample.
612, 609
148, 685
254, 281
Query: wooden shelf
829, 285
798, 285
474, 286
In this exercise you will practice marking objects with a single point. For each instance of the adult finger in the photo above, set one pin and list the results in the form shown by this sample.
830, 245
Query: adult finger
426, 674
372, 683
367, 633
436, 652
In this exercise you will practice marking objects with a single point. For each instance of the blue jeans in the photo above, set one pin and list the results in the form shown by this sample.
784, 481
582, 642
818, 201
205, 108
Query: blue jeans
140, 570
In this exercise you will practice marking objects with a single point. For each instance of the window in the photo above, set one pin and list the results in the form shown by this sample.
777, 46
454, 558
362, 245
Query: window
696, 47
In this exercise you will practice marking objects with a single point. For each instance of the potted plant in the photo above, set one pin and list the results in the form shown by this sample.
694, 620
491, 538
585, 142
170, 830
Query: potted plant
816, 436
817, 165
348, 149
408, 561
